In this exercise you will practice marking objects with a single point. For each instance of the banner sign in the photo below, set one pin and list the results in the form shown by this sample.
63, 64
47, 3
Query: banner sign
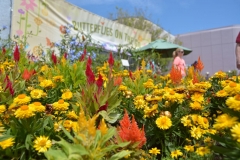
40, 22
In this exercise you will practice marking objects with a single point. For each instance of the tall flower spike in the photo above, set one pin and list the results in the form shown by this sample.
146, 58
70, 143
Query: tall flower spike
3, 50
90, 75
110, 60
16, 54
99, 81
175, 75
89, 61
129, 131
54, 58
83, 55
199, 65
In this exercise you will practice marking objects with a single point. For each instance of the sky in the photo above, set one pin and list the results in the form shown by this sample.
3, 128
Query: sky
174, 16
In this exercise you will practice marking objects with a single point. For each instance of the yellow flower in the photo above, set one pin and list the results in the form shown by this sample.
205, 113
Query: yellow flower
7, 143
21, 99
38, 107
58, 79
202, 151
232, 88
103, 127
222, 93
207, 140
36, 93
220, 74
196, 132
149, 84
176, 153
42, 143
196, 106
197, 97
140, 103
24, 112
72, 115
122, 88
68, 124
2, 108
236, 132
151, 111
189, 148
224, 121
154, 151
164, 122
60, 105
47, 84
67, 95
234, 102
186, 121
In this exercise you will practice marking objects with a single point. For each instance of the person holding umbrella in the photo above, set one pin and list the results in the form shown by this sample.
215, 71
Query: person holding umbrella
178, 61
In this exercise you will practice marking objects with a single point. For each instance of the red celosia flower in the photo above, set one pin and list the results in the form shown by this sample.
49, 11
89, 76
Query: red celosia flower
90, 75
16, 54
199, 65
3, 50
54, 58
110, 60
99, 81
103, 108
129, 131
83, 55
89, 61
9, 85
130, 75
175, 75
65, 55
27, 74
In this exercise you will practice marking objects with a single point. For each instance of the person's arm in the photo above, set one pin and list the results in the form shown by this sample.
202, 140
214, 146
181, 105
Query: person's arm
176, 62
238, 55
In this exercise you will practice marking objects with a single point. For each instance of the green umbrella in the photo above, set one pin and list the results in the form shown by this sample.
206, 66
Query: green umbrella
163, 47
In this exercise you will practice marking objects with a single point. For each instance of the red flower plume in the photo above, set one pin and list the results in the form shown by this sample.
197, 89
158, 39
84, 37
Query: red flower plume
65, 55
110, 60
9, 85
99, 81
199, 65
90, 75
4, 50
54, 58
27, 74
89, 61
129, 131
83, 55
175, 75
16, 54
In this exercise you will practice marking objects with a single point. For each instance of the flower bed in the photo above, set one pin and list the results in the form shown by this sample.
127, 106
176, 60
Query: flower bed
68, 109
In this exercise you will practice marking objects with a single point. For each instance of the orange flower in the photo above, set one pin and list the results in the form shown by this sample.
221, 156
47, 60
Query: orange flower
129, 131
117, 81
175, 75
27, 74
195, 79
199, 65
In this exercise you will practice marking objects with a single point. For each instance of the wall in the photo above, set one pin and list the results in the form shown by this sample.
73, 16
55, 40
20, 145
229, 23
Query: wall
5, 20
216, 48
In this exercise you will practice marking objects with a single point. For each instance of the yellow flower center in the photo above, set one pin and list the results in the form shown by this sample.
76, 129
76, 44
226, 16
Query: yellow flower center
36, 94
61, 101
21, 96
232, 84
37, 103
42, 142
172, 92
24, 107
237, 97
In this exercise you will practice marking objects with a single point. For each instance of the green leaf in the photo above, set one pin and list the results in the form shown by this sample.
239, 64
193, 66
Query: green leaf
120, 155
67, 133
55, 154
111, 118
28, 141
5, 137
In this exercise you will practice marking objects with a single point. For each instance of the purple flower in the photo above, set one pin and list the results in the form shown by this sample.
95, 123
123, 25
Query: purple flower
21, 11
